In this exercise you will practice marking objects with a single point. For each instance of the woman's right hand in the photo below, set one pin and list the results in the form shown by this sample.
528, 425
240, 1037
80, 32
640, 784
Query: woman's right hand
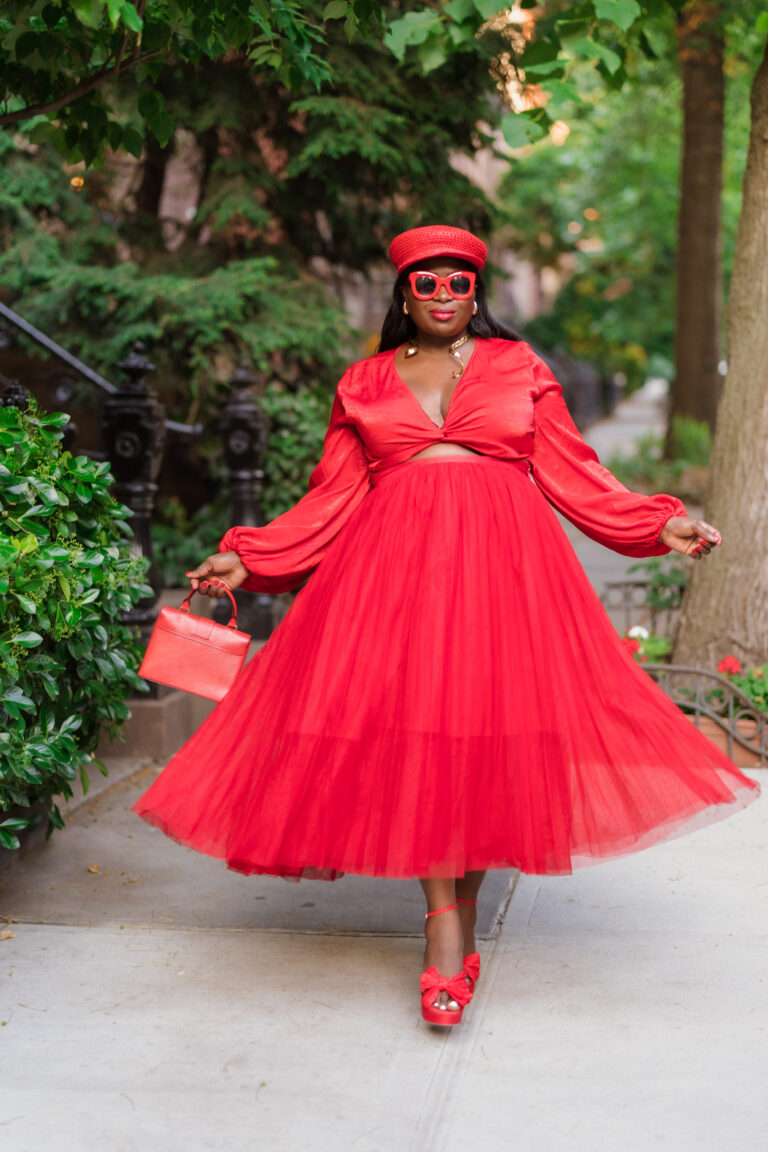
223, 566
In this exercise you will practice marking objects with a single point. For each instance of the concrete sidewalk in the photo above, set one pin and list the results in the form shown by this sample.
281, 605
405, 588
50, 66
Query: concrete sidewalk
153, 1000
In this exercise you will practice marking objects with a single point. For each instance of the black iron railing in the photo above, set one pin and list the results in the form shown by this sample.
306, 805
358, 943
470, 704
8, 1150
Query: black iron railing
134, 428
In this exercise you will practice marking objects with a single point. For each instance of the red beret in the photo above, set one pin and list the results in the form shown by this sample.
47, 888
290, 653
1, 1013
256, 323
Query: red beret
436, 240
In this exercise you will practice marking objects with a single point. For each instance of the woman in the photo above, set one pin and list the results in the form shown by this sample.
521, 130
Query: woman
446, 695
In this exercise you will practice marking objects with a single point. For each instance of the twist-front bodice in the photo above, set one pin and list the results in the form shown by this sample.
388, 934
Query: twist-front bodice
507, 404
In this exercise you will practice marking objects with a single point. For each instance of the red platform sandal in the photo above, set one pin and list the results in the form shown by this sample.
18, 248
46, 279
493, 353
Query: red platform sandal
472, 960
457, 988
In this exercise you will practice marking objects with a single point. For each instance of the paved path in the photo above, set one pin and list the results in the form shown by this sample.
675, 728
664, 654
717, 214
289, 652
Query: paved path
152, 1000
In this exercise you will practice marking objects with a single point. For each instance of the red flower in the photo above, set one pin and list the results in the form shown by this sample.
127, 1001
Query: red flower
729, 666
631, 643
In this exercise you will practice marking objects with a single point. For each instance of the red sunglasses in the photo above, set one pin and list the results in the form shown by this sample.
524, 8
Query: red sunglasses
425, 285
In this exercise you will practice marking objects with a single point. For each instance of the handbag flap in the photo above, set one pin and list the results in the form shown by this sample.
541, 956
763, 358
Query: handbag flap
202, 630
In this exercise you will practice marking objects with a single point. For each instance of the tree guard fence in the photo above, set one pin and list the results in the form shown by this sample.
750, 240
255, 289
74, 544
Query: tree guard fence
708, 696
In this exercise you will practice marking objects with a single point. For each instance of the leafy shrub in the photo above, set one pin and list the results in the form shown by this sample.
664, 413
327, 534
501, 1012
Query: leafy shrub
181, 541
753, 682
685, 474
666, 580
67, 572
691, 441
295, 444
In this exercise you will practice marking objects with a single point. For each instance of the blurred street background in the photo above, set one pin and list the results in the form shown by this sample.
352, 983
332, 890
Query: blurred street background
196, 201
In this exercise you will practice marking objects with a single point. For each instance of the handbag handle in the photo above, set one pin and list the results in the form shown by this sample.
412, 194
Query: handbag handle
232, 622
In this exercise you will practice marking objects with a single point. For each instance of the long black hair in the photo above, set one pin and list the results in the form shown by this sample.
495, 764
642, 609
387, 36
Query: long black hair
398, 328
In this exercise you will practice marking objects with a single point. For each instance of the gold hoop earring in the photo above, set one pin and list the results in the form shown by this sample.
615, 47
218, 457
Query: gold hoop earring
405, 308
474, 310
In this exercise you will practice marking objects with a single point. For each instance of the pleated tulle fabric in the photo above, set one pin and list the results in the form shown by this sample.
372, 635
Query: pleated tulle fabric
445, 694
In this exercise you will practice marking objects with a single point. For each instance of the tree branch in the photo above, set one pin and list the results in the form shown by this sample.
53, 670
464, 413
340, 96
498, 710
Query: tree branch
140, 10
81, 89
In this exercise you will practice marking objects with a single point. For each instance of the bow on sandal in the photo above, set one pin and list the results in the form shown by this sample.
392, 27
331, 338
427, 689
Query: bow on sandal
432, 984
459, 988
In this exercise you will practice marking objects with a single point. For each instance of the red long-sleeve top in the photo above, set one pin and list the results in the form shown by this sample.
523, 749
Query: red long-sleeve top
507, 404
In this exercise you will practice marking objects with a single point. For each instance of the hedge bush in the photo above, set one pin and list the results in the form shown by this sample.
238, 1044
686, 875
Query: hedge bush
67, 572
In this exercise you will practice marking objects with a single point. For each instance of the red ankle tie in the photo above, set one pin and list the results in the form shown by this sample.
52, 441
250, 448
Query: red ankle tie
437, 911
461, 900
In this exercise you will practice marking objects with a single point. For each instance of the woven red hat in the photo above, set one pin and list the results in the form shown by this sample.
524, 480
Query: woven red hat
436, 240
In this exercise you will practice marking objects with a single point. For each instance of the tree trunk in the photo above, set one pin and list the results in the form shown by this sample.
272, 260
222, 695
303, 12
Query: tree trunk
725, 609
697, 383
154, 163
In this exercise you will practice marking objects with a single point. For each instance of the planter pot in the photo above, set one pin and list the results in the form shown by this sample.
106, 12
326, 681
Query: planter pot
742, 757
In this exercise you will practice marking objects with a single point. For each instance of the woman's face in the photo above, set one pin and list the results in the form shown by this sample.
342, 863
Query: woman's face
442, 316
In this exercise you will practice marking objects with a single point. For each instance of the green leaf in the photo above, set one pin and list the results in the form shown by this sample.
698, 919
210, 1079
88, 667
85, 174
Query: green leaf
53, 419
26, 602
432, 55
15, 823
460, 10
8, 840
410, 30
15, 695
8, 554
131, 17
488, 8
336, 10
113, 11
519, 131
88, 12
593, 50
133, 141
561, 94
27, 639
621, 12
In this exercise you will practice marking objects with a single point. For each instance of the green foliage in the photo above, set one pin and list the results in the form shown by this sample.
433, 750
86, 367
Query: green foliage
181, 541
57, 59
646, 647
645, 468
690, 441
595, 31
753, 682
67, 572
666, 579
295, 444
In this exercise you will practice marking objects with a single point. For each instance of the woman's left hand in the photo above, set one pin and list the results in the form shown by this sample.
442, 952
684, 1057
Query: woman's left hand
691, 537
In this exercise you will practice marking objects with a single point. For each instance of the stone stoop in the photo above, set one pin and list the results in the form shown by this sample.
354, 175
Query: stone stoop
157, 728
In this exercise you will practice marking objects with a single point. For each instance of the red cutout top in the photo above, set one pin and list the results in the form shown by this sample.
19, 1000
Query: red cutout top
507, 404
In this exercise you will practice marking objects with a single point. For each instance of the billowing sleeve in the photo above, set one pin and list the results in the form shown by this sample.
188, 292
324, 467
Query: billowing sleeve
281, 554
572, 478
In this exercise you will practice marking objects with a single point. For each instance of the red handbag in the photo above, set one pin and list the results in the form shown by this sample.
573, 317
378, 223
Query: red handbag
194, 653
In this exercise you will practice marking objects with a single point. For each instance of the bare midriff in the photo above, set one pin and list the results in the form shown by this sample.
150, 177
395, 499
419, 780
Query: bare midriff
444, 449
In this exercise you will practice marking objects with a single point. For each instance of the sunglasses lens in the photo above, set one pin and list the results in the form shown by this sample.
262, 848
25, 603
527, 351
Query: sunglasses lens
461, 286
425, 286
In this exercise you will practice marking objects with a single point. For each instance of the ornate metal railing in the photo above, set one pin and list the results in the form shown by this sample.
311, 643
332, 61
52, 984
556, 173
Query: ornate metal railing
629, 600
704, 694
134, 429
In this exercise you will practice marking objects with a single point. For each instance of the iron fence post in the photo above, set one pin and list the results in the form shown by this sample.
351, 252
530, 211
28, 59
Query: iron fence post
244, 428
134, 438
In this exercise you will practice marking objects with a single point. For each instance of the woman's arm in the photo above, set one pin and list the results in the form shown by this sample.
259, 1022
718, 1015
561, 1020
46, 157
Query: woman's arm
278, 556
572, 478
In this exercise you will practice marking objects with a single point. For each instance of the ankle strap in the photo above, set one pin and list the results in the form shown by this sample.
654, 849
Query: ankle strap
437, 911
461, 900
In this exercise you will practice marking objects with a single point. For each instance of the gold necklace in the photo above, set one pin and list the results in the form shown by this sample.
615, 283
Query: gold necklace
453, 352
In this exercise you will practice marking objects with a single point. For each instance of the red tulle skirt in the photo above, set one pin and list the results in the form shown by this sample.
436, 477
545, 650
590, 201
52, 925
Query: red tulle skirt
445, 694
